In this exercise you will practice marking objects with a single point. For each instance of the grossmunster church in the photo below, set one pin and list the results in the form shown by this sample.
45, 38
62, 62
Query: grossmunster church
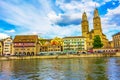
96, 31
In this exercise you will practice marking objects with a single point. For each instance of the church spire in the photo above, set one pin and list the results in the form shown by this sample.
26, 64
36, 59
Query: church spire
85, 25
96, 14
84, 17
97, 23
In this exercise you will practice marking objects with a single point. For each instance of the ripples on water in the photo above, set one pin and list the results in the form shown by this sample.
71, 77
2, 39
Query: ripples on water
61, 69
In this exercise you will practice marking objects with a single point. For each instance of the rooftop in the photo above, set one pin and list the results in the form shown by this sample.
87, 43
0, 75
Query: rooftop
117, 34
74, 37
25, 38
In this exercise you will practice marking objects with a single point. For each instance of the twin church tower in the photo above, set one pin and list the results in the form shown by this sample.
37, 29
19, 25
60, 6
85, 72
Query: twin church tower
96, 31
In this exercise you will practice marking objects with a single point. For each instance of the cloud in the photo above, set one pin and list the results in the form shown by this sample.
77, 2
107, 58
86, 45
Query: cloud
114, 15
67, 20
73, 11
110, 22
3, 36
31, 20
10, 31
41, 16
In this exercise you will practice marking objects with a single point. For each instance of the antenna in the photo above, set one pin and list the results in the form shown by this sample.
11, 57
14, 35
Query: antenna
95, 6
84, 9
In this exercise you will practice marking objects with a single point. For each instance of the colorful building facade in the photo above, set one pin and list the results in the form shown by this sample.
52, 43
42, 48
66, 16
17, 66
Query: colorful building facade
50, 45
26, 45
74, 43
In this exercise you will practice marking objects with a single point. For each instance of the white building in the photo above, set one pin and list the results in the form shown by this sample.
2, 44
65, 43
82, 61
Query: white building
7, 46
74, 43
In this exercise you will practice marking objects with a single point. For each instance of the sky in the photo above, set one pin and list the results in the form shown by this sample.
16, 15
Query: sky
51, 18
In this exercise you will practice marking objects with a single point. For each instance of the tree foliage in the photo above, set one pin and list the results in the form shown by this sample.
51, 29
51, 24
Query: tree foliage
97, 42
56, 41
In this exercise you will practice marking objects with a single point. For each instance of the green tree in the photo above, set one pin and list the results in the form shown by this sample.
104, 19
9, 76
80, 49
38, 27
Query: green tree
97, 42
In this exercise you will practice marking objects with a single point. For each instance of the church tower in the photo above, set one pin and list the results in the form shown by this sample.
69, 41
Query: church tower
97, 23
84, 25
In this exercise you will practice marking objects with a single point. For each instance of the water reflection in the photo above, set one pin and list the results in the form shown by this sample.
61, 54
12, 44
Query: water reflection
114, 69
61, 69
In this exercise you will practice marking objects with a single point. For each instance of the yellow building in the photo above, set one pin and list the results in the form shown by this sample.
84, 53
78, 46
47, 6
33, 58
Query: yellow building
111, 44
25, 45
50, 45
74, 43
1, 48
44, 45
116, 40
96, 31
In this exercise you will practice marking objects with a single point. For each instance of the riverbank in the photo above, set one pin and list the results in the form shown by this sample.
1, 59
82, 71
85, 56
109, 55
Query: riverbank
58, 56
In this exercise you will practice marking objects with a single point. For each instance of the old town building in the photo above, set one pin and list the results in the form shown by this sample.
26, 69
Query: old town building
25, 45
1, 48
50, 45
96, 31
44, 44
111, 44
116, 40
7, 46
74, 43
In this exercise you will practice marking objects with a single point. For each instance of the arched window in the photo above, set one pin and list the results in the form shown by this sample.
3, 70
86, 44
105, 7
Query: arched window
28, 53
32, 53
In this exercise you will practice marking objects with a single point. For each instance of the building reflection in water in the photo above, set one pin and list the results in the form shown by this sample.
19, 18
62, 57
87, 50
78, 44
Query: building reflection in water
6, 68
113, 70
61, 69
96, 70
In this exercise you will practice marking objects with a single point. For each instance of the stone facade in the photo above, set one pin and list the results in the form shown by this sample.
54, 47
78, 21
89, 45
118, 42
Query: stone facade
116, 40
96, 31
111, 44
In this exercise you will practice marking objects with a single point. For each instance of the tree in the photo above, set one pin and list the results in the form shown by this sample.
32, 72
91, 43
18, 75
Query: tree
97, 42
57, 41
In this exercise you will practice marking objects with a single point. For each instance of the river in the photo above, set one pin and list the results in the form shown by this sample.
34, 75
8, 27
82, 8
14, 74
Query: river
61, 69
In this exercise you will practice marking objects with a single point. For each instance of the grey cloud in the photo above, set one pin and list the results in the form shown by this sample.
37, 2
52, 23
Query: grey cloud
67, 20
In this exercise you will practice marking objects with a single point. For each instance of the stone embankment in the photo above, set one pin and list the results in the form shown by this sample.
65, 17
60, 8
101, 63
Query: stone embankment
61, 56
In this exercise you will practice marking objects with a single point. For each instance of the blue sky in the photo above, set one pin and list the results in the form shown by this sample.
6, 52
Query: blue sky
51, 18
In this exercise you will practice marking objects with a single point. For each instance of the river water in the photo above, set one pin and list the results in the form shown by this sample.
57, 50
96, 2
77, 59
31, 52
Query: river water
61, 69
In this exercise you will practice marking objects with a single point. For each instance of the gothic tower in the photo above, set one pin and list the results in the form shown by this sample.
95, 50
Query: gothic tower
97, 23
85, 25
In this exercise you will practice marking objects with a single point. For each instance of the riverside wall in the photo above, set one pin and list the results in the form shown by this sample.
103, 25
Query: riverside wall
58, 56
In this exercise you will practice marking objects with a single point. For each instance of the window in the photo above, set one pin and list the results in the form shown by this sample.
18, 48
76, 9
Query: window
89, 44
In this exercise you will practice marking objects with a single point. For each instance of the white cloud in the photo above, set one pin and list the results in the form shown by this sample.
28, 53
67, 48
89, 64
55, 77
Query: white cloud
3, 36
53, 16
33, 20
10, 31
110, 22
112, 12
